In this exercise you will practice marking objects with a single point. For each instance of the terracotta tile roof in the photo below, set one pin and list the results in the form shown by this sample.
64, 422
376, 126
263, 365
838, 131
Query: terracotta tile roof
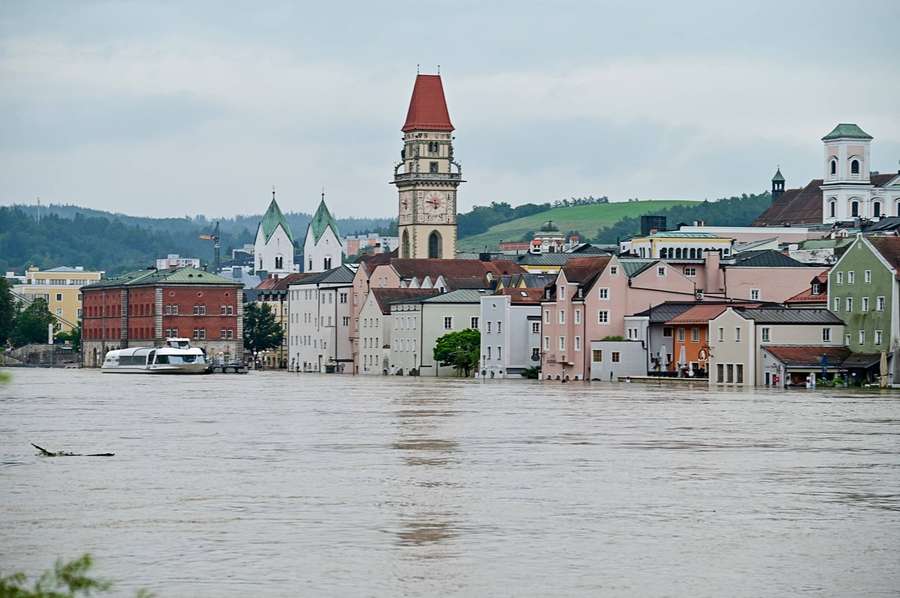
806, 296
524, 296
377, 259
458, 269
427, 107
384, 297
699, 314
583, 270
889, 248
281, 284
795, 206
807, 355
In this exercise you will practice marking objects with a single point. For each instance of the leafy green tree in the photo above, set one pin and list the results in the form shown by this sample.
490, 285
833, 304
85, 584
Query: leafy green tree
261, 331
73, 336
7, 311
31, 324
65, 580
459, 349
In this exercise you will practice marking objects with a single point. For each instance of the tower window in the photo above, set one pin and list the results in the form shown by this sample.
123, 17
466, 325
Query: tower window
854, 209
876, 209
833, 166
854, 167
832, 208
433, 147
433, 167
279, 262
434, 245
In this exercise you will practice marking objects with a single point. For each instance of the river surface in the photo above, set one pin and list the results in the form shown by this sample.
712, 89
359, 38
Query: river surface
274, 484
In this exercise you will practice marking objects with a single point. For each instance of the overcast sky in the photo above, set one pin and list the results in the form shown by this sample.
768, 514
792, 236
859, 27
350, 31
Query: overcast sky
154, 108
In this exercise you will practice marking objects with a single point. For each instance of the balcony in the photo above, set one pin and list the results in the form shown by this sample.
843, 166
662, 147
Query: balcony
427, 176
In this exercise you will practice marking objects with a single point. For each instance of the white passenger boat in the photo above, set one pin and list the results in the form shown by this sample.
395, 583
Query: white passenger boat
176, 357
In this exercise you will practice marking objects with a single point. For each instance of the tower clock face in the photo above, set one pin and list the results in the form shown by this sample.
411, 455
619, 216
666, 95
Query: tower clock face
434, 206
406, 207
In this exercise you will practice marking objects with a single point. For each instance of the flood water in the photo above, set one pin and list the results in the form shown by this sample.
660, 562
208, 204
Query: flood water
274, 484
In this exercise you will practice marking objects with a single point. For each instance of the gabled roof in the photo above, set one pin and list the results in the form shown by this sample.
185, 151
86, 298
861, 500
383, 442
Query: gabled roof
795, 206
665, 311
807, 355
806, 297
847, 131
523, 296
385, 297
763, 258
272, 283
460, 296
185, 275
272, 219
881, 180
340, 275
634, 266
427, 107
421, 267
778, 176
320, 222
584, 270
889, 248
785, 315
698, 314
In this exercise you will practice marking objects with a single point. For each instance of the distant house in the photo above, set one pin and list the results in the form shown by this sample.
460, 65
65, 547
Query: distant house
376, 325
510, 324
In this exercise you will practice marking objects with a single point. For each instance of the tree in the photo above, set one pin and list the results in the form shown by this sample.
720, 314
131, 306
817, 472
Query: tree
261, 331
31, 324
7, 311
73, 336
459, 349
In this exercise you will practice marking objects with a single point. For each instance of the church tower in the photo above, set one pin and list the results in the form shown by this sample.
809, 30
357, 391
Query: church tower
777, 185
427, 175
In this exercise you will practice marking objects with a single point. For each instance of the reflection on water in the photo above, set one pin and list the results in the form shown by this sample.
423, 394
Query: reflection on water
280, 485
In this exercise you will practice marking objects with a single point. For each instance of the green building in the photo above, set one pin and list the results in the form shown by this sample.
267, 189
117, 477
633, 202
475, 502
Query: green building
863, 290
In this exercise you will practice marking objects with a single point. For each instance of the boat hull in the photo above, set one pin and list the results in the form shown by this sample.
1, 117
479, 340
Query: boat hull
181, 369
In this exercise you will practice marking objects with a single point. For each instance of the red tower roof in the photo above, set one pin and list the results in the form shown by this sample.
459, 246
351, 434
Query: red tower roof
428, 108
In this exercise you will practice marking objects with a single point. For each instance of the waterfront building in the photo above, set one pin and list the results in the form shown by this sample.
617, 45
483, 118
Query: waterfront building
510, 325
273, 251
323, 248
273, 293
428, 175
848, 190
145, 307
690, 342
358, 294
319, 321
612, 360
375, 325
738, 336
173, 260
418, 324
61, 288
863, 292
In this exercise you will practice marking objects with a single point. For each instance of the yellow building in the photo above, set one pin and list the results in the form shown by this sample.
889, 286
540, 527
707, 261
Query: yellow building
61, 288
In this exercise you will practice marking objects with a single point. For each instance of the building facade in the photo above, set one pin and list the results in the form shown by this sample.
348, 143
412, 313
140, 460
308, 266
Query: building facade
273, 294
376, 324
510, 324
273, 251
61, 289
319, 322
323, 248
427, 176
146, 307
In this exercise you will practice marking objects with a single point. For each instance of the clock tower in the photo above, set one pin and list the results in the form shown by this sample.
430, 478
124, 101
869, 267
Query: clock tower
427, 175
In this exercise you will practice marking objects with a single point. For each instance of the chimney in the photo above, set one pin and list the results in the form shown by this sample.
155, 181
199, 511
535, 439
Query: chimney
712, 272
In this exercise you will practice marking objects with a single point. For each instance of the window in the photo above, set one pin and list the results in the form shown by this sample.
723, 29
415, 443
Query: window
878, 335
847, 339
854, 167
473, 323
562, 343
222, 333
832, 208
562, 292
615, 357
816, 289
729, 369
765, 335
754, 294
690, 271
578, 343
661, 271
613, 270
221, 310
489, 352
862, 337
346, 320
448, 322
667, 332
833, 166
837, 304
721, 334
578, 316
854, 209
864, 304
499, 353
546, 316
597, 356
876, 209
739, 373
604, 294
546, 343
562, 317
848, 304
737, 335
720, 372
59, 296
851, 277
840, 278
279, 262
879, 304
603, 317
695, 334
681, 335
826, 335
535, 328
343, 297
488, 324
499, 327
433, 167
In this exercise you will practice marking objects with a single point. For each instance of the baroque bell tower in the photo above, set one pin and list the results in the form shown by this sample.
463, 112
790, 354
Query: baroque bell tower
427, 175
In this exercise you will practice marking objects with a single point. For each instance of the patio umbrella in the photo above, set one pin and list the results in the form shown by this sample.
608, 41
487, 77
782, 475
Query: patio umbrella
884, 370
682, 359
663, 358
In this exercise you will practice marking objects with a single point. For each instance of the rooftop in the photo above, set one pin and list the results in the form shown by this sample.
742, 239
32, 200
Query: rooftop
698, 314
186, 275
847, 131
763, 258
385, 297
272, 219
808, 355
524, 296
795, 206
320, 222
889, 248
460, 296
428, 107
785, 315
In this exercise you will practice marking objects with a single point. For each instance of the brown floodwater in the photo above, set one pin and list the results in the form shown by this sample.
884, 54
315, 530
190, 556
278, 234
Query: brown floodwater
274, 484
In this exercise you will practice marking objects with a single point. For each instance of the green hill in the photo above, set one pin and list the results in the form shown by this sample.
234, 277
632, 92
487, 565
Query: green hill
585, 219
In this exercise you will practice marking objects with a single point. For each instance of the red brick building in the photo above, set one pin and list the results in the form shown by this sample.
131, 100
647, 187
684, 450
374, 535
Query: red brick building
144, 308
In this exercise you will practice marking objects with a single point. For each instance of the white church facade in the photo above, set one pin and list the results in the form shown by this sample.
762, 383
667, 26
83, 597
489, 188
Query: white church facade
273, 251
323, 248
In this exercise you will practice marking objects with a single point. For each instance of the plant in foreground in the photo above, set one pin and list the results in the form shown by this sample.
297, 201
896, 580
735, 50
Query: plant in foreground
65, 580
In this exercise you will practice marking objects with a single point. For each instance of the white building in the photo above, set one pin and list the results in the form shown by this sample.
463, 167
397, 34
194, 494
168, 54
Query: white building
323, 248
319, 322
173, 260
375, 325
510, 325
417, 325
273, 251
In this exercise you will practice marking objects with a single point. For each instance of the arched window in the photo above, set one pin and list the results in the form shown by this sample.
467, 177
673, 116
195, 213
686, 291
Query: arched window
854, 209
279, 262
876, 209
832, 208
678, 253
854, 167
434, 244
405, 245
833, 166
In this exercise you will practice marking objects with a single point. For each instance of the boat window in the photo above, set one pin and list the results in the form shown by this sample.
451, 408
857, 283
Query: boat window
162, 359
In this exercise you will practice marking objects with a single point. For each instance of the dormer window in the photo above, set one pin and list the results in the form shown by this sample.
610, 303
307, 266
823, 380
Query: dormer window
816, 289
854, 167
